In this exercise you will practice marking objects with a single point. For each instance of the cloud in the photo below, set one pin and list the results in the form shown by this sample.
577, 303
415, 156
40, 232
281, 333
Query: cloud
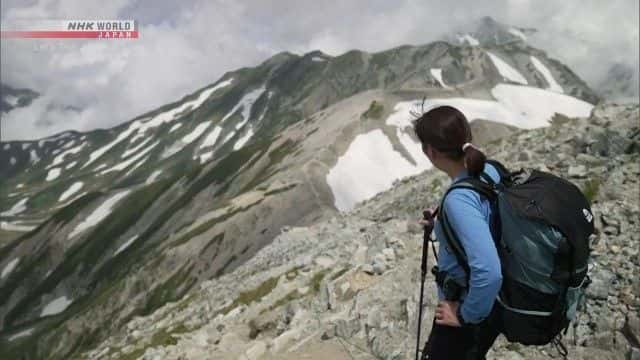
189, 44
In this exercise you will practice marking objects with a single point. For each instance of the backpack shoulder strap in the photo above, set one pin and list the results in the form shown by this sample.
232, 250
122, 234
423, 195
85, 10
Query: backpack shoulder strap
452, 240
505, 174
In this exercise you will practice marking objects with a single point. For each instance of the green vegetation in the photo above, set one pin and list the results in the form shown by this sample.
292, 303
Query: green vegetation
293, 273
374, 111
209, 224
339, 273
173, 289
215, 241
314, 283
591, 189
72, 210
279, 190
82, 257
226, 265
316, 280
275, 158
291, 296
311, 132
159, 339
247, 297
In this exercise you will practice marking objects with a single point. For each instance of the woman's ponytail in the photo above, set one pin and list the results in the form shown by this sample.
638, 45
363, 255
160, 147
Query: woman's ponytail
474, 159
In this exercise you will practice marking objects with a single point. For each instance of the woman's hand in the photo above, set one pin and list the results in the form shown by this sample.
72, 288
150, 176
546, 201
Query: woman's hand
446, 313
429, 222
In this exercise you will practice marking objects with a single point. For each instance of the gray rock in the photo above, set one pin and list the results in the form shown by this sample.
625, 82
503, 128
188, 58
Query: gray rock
367, 268
389, 254
602, 280
347, 328
577, 171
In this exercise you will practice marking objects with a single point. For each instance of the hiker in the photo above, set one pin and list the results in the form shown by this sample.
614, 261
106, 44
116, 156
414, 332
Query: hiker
460, 329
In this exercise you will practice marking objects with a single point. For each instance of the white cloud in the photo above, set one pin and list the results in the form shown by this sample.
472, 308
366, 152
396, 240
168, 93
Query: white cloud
187, 45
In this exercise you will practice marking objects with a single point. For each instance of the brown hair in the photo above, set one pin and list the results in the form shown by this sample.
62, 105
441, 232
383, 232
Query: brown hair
447, 129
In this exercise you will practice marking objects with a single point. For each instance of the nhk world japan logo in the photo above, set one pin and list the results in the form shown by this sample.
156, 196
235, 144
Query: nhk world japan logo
69, 29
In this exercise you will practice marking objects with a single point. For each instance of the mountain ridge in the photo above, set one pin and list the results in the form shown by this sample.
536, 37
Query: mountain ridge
194, 189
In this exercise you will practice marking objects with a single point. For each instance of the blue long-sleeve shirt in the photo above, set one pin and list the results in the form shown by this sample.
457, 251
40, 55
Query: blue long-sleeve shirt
468, 214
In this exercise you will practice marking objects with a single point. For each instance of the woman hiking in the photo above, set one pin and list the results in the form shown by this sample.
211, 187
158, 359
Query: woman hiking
461, 329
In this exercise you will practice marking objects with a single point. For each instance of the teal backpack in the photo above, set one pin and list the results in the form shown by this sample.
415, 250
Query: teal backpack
541, 226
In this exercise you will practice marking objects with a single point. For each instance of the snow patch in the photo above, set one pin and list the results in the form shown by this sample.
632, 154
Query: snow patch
56, 306
521, 106
318, 59
71, 190
535, 107
154, 175
243, 140
21, 334
175, 127
11, 265
506, 70
54, 138
437, 74
174, 148
25, 146
7, 147
100, 167
53, 174
518, 33
33, 156
245, 103
125, 245
553, 85
176, 112
19, 186
469, 39
123, 135
17, 208
229, 136
135, 148
211, 139
205, 157
370, 156
99, 213
69, 144
71, 164
414, 148
136, 166
12, 160
60, 158
15, 226
196, 133
125, 164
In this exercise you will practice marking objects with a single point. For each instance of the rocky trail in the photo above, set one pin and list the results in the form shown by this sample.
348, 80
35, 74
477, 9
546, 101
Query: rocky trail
347, 288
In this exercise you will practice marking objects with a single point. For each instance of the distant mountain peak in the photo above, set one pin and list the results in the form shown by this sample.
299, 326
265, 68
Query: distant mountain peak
487, 31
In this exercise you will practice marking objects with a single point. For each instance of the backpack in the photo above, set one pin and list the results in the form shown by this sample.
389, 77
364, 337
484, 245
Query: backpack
541, 226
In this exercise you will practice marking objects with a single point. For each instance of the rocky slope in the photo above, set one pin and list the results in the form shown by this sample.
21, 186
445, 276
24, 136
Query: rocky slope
102, 227
347, 288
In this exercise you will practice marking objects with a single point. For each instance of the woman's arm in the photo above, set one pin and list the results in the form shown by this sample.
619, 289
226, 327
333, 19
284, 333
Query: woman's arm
463, 208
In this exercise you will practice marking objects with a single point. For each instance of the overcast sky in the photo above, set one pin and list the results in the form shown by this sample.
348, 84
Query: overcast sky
185, 45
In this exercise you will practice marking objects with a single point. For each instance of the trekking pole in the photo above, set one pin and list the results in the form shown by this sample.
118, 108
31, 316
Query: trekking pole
423, 268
